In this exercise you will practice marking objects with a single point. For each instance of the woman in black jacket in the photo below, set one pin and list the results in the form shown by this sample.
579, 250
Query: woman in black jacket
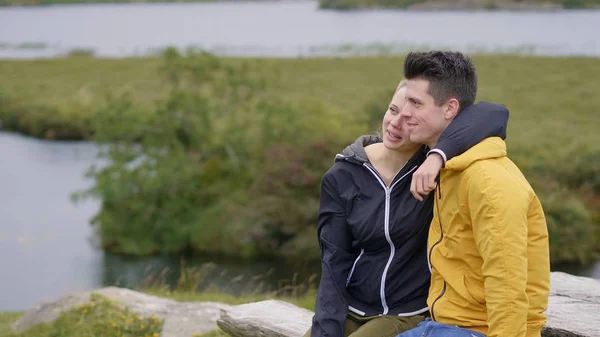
372, 231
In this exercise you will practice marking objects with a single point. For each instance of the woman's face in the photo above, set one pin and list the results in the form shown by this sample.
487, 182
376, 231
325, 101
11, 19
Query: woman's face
395, 132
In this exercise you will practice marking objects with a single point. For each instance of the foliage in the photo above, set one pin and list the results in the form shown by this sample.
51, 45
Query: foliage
175, 179
100, 317
302, 111
485, 4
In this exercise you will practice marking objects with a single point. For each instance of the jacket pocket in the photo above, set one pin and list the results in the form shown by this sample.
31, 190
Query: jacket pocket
475, 291
354, 267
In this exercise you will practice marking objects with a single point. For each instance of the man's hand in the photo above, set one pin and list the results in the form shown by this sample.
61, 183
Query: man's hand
423, 180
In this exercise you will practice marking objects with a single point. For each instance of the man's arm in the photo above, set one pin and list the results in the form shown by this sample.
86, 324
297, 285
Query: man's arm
336, 260
471, 126
538, 258
498, 207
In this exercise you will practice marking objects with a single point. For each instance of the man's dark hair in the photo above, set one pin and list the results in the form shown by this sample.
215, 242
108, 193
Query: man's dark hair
450, 74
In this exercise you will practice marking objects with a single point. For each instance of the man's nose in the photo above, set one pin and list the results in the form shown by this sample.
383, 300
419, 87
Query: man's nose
406, 111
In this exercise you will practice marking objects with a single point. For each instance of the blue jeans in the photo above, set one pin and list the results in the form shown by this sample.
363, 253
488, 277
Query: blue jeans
429, 328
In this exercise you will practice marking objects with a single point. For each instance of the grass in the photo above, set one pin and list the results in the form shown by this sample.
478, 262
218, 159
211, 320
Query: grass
545, 95
6, 319
552, 132
101, 318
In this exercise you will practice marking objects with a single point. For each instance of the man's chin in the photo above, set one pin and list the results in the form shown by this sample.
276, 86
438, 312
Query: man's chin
414, 138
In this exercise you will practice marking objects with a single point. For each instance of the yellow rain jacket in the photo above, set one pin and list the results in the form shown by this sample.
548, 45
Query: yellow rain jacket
488, 246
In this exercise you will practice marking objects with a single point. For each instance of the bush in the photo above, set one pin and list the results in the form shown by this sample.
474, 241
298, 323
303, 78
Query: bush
225, 166
191, 174
574, 234
98, 318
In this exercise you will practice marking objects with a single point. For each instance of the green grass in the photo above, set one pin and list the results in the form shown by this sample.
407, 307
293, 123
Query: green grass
553, 101
6, 319
552, 133
305, 300
102, 318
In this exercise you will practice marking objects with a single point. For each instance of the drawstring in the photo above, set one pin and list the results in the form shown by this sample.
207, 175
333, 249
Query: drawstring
439, 187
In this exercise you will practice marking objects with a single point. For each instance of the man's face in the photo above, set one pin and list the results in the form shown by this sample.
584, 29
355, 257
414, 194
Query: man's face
425, 120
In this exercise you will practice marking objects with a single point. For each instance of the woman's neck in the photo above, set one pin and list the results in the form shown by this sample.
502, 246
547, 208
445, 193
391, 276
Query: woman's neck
395, 159
386, 161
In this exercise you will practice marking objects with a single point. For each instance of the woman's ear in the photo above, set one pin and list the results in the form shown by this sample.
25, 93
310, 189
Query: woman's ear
452, 108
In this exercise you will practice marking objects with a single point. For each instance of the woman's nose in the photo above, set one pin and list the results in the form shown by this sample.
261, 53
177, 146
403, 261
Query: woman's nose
397, 121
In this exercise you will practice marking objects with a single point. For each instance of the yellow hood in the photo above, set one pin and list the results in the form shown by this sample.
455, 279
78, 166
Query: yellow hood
493, 147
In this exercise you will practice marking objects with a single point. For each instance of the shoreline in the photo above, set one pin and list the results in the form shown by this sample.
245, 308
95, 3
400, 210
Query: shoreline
420, 6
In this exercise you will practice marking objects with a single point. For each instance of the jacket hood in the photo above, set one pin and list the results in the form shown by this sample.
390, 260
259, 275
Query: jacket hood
492, 147
356, 151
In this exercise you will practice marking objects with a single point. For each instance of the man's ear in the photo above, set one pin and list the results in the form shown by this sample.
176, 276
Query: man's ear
452, 108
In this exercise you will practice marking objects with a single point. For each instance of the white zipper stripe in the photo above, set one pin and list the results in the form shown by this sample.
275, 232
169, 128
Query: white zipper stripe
356, 311
388, 192
404, 176
392, 250
389, 239
354, 266
420, 311
376, 176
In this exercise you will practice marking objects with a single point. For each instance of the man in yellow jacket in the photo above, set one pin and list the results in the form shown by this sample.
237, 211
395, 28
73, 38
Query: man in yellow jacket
488, 240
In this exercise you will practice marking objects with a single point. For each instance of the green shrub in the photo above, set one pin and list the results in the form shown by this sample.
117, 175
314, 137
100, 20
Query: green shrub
174, 178
197, 195
574, 234
98, 318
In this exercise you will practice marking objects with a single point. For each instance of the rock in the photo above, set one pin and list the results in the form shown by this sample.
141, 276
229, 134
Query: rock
182, 319
573, 311
574, 306
270, 318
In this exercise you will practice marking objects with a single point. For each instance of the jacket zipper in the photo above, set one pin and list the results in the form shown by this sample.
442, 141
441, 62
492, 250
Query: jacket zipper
354, 266
388, 192
433, 246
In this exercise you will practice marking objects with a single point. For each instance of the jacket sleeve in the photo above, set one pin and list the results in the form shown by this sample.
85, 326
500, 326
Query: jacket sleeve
335, 241
498, 207
471, 126
538, 253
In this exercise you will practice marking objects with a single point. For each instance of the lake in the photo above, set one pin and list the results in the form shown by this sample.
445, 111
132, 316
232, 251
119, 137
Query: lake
288, 29
47, 245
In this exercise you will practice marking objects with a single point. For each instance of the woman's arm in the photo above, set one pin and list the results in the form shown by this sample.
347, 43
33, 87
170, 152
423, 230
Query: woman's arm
335, 241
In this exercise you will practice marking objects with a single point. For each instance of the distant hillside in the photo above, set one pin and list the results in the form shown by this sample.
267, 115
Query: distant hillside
461, 4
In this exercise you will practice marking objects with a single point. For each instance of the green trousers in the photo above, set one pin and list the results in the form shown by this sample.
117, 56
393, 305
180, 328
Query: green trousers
378, 326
